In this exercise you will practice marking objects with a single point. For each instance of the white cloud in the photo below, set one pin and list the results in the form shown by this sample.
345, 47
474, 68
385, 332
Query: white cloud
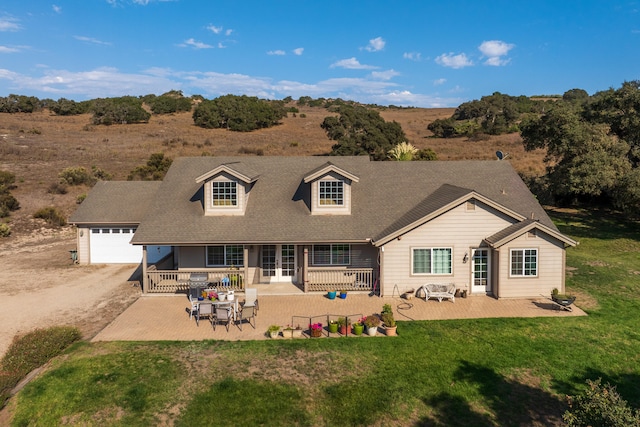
276, 52
439, 82
494, 50
375, 44
412, 56
56, 8
214, 29
6, 49
384, 75
195, 44
91, 40
8, 23
219, 30
351, 64
298, 51
454, 61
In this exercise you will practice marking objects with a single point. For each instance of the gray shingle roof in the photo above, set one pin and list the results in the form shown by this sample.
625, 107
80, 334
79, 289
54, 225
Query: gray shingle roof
388, 195
116, 202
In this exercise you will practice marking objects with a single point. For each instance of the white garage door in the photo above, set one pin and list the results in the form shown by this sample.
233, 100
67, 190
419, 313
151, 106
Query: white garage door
111, 246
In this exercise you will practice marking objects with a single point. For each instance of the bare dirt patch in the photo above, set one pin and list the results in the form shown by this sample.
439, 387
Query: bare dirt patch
40, 287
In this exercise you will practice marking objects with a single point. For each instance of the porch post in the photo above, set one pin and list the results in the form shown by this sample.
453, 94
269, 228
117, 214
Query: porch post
145, 279
381, 271
245, 257
305, 268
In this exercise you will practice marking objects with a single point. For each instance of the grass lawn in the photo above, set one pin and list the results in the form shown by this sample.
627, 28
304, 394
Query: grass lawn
488, 372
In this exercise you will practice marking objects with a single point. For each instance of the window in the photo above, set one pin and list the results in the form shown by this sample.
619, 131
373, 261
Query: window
229, 255
225, 193
331, 254
524, 262
331, 193
431, 261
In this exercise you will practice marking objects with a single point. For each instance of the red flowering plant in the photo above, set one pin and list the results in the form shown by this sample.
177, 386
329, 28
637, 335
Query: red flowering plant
315, 326
212, 296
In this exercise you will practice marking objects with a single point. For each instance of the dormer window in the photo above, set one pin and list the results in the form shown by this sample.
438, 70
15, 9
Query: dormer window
224, 193
331, 193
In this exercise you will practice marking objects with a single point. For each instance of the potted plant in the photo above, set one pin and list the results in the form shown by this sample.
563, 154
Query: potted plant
316, 329
331, 294
343, 294
297, 332
388, 320
343, 325
372, 322
287, 332
358, 327
273, 331
333, 326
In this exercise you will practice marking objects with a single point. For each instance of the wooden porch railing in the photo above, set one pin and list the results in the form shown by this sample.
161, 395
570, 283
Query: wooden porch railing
173, 281
346, 279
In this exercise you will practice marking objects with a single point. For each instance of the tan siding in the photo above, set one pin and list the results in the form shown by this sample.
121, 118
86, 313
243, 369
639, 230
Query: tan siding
550, 268
243, 195
83, 245
459, 228
316, 209
192, 257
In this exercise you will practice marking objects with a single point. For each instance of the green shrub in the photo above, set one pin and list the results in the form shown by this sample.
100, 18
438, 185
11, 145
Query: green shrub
600, 406
76, 176
81, 198
51, 215
32, 351
5, 230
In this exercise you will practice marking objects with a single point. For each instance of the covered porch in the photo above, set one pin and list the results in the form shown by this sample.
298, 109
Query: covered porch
286, 265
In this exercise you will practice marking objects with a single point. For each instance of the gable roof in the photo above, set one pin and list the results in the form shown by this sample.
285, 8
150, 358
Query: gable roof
509, 233
389, 197
436, 203
325, 169
116, 202
237, 169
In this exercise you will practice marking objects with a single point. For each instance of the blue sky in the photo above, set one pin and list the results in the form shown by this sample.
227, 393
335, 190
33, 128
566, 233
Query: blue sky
412, 53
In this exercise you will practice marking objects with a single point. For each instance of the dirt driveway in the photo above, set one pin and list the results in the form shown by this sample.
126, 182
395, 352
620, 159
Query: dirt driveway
40, 287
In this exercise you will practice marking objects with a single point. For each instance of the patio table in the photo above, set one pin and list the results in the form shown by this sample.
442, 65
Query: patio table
234, 305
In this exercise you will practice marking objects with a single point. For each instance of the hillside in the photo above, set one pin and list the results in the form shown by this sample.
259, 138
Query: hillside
36, 147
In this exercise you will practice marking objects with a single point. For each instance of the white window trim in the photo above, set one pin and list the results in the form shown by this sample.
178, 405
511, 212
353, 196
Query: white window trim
413, 273
522, 250
213, 198
331, 263
331, 181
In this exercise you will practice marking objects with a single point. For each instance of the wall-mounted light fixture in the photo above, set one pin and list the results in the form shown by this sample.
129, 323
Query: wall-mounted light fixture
466, 257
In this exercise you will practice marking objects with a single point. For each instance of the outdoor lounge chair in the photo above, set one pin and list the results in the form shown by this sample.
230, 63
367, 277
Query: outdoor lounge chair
247, 313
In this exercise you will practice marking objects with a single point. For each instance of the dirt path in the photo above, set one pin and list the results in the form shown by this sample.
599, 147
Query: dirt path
40, 287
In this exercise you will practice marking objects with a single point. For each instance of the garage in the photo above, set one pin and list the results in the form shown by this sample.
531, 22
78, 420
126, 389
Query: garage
110, 245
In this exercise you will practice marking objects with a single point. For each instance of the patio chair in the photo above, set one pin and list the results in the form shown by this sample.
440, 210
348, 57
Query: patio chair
251, 299
223, 314
205, 309
194, 306
247, 313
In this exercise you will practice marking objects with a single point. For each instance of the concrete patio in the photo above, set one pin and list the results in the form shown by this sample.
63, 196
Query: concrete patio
166, 317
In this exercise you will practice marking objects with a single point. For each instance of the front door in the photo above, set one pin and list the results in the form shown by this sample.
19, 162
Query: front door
480, 283
278, 263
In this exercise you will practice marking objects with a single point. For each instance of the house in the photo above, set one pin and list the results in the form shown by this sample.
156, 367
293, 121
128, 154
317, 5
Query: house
329, 223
